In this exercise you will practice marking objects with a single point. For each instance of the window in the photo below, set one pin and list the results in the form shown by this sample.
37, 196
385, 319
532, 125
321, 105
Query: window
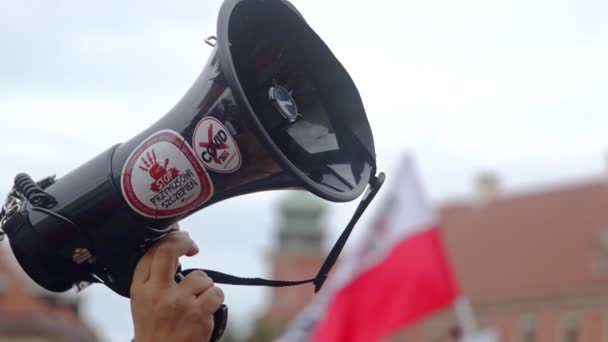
571, 334
570, 328
528, 336
454, 334
434, 331
599, 261
527, 328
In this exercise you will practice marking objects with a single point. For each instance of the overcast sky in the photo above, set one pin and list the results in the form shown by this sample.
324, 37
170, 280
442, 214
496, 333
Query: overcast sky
515, 87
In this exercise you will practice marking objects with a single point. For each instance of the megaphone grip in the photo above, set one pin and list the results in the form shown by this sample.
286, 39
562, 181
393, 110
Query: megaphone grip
220, 320
220, 317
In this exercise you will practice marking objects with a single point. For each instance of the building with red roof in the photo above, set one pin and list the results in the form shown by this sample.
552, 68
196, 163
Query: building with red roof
534, 264
29, 313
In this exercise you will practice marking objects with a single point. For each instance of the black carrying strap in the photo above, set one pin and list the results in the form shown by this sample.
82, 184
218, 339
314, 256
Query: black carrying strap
222, 278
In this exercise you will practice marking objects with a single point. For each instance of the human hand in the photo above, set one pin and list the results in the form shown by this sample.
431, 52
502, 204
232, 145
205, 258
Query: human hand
164, 310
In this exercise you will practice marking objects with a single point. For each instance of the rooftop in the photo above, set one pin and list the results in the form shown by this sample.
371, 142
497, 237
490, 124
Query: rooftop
548, 242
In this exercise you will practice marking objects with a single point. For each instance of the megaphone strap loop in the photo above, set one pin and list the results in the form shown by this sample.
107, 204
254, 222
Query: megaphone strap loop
223, 278
374, 186
211, 41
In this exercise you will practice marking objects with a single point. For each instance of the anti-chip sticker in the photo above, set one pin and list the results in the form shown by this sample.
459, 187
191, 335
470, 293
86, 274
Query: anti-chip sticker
215, 147
162, 177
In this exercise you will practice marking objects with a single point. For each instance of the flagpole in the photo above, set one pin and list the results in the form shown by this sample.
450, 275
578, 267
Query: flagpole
465, 315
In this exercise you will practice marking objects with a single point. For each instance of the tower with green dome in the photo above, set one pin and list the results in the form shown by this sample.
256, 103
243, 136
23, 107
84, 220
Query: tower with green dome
297, 253
300, 229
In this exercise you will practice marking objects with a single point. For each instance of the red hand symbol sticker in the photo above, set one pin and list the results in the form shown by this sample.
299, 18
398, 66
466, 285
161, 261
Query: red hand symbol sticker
159, 173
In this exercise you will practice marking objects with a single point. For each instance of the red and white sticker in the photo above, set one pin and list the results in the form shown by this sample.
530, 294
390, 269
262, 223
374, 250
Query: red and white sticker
162, 177
215, 147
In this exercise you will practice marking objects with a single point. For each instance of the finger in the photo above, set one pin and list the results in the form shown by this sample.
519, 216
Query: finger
208, 325
141, 274
175, 227
210, 300
166, 254
195, 283
142, 269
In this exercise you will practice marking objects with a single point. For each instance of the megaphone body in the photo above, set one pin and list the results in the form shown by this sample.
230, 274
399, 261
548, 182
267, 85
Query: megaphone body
272, 109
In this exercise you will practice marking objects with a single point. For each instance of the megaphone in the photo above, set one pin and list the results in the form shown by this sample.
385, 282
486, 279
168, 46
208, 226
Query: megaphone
272, 109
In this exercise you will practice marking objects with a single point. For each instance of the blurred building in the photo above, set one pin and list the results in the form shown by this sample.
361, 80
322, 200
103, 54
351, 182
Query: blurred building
298, 253
533, 264
30, 314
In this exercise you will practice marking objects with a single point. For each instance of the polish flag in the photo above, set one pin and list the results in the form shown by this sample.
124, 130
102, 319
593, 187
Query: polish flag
398, 275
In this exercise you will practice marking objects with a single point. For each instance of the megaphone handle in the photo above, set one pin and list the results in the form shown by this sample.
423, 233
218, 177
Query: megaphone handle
220, 320
220, 317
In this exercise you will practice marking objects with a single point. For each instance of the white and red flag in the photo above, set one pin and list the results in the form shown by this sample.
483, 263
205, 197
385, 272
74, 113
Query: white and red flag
398, 275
